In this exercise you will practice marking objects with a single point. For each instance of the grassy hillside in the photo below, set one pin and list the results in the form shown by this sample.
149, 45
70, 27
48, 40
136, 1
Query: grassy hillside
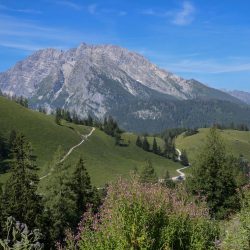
105, 161
237, 142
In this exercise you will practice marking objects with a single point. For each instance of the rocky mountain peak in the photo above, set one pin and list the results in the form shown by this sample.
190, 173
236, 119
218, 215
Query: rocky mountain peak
99, 79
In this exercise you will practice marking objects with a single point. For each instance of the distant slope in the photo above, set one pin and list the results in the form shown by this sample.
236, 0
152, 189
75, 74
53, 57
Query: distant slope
106, 79
237, 142
104, 160
241, 95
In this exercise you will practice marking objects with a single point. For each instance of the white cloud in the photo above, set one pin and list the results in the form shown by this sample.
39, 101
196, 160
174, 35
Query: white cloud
184, 16
27, 11
28, 35
69, 4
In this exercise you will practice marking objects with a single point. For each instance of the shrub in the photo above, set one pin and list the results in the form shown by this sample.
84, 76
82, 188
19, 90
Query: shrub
19, 237
146, 216
237, 233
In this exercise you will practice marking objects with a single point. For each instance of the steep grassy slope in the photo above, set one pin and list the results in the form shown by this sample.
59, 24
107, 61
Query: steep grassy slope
237, 142
104, 160
44, 134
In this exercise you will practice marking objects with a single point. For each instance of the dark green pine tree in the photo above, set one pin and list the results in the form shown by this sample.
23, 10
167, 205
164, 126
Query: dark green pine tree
1, 212
155, 147
168, 182
148, 174
58, 116
60, 199
3, 148
145, 144
212, 177
20, 198
82, 188
138, 141
62, 208
168, 148
184, 158
89, 121
12, 138
118, 139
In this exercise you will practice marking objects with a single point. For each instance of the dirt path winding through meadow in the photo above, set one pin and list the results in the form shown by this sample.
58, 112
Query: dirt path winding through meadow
182, 175
84, 138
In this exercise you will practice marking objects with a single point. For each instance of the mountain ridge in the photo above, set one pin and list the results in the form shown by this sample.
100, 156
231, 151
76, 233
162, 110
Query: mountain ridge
243, 96
104, 80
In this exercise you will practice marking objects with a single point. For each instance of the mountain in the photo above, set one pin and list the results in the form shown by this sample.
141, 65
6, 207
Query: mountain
105, 79
241, 95
104, 160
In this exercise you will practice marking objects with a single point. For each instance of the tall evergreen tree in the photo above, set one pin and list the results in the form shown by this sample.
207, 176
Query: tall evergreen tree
148, 174
12, 137
20, 198
169, 149
138, 141
212, 177
82, 188
155, 147
145, 144
1, 212
184, 158
118, 138
58, 116
60, 199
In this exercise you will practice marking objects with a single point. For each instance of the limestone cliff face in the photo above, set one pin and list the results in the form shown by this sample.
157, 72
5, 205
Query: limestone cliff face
100, 79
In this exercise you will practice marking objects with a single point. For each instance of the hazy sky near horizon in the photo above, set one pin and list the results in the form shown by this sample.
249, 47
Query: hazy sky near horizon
205, 40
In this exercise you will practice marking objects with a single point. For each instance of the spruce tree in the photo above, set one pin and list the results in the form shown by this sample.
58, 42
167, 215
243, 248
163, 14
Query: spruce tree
1, 212
82, 188
212, 177
184, 158
61, 202
118, 139
60, 199
58, 116
145, 144
12, 137
138, 142
148, 174
155, 147
20, 198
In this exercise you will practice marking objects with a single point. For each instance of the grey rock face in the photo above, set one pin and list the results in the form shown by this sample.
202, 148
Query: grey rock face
241, 95
100, 80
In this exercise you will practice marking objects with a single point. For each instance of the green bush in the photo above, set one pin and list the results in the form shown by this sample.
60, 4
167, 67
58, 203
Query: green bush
146, 216
237, 231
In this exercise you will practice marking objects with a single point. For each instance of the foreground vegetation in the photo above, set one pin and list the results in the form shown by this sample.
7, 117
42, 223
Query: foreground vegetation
133, 213
68, 208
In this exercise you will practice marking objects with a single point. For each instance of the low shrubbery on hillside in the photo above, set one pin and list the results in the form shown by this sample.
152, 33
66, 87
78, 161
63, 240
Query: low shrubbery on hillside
145, 216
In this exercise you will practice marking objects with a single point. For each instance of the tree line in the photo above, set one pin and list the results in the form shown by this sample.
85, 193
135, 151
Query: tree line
18, 99
168, 151
108, 125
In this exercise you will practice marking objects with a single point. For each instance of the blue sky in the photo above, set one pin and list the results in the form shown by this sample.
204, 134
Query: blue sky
205, 40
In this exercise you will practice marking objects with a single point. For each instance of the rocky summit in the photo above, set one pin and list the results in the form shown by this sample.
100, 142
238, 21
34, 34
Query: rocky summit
109, 80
